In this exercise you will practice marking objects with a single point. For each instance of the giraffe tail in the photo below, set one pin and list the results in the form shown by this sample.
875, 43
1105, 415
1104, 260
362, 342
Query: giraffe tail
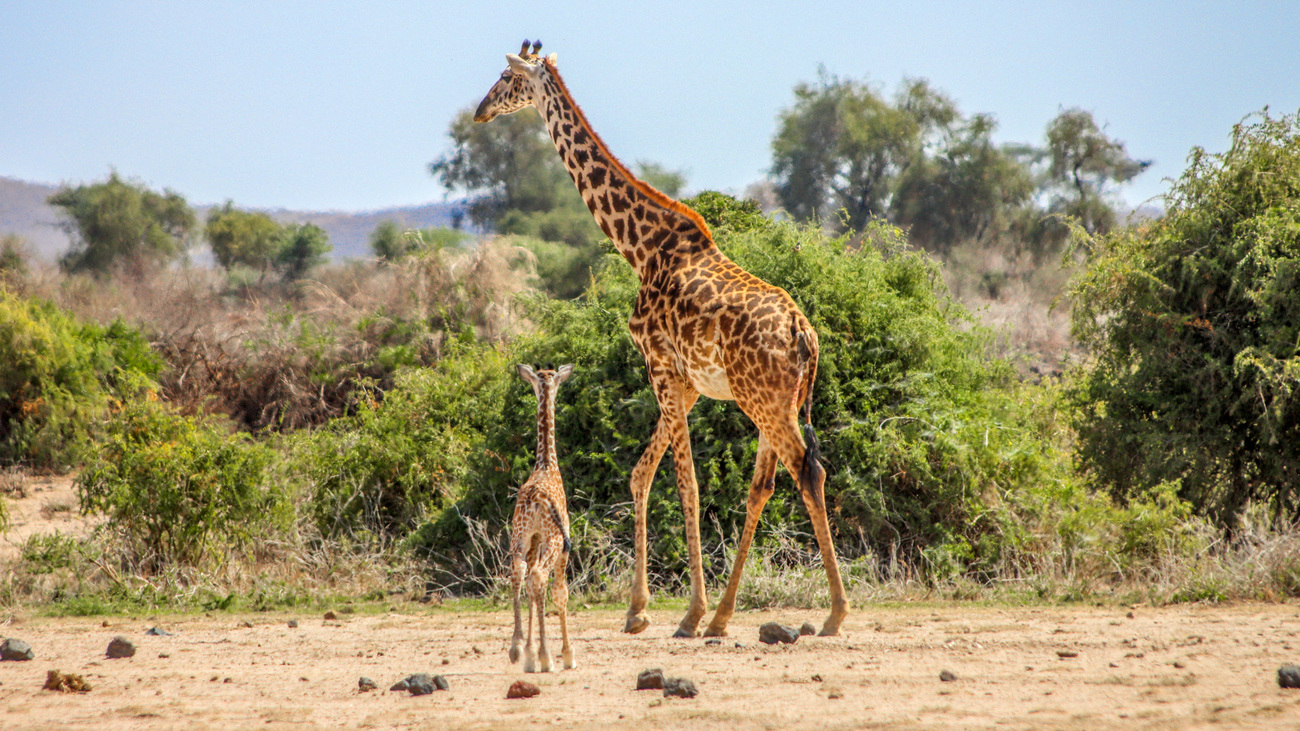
811, 472
563, 525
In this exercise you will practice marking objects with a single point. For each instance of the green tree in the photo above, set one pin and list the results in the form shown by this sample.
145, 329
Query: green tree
1193, 324
391, 242
302, 247
243, 238
117, 221
968, 189
1084, 167
13, 258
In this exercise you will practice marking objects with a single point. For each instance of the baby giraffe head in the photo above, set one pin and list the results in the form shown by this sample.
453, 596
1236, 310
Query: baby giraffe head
545, 380
516, 88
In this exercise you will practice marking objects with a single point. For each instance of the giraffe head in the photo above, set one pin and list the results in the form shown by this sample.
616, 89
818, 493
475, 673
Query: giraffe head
515, 89
545, 379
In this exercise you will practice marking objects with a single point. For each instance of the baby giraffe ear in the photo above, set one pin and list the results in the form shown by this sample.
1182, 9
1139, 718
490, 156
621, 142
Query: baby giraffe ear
526, 373
553, 58
562, 373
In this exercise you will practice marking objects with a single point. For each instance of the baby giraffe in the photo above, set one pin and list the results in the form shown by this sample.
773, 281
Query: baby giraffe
539, 536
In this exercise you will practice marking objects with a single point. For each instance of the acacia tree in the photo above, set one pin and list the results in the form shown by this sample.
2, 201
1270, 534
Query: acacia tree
1084, 167
1193, 323
121, 222
302, 247
244, 238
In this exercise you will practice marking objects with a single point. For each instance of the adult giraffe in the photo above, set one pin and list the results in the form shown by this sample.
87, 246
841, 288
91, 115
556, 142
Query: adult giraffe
704, 325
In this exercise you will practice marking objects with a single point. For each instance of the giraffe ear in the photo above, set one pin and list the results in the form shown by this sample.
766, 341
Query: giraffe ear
517, 64
553, 58
562, 373
526, 373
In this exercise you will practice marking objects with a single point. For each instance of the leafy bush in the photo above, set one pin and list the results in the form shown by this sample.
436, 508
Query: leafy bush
57, 379
1193, 323
179, 490
923, 435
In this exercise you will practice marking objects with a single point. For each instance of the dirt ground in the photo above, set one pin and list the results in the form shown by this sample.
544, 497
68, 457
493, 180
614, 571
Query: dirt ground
1176, 667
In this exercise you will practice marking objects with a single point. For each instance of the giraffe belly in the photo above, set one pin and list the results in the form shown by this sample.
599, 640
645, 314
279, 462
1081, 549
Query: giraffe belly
711, 380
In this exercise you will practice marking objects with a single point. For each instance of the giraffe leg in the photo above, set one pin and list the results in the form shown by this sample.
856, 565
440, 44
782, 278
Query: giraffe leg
679, 404
562, 605
518, 568
642, 475
760, 490
530, 660
790, 446
537, 586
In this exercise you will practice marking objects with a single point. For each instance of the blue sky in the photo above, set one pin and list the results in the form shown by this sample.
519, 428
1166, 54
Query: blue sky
341, 105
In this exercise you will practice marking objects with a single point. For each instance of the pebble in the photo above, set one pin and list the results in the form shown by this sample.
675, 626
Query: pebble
806, 629
522, 689
120, 647
774, 632
947, 676
679, 687
650, 679
1288, 676
15, 649
366, 684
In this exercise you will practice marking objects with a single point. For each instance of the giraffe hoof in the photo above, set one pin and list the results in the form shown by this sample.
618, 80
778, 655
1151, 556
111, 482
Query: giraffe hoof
712, 631
514, 654
687, 633
829, 631
636, 624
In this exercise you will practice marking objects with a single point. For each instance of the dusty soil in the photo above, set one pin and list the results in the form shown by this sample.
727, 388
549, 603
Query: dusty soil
1016, 667
1181, 667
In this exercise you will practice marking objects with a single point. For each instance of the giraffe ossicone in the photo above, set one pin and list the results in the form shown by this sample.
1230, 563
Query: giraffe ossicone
539, 532
705, 327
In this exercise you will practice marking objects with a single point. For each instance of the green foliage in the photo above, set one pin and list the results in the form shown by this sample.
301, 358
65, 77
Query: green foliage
391, 242
563, 270
13, 258
58, 377
243, 238
302, 248
922, 434
122, 222
383, 468
507, 165
1085, 163
722, 211
179, 490
1194, 327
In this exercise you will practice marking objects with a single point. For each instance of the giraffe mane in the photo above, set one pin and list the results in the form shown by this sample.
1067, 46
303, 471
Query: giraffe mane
645, 188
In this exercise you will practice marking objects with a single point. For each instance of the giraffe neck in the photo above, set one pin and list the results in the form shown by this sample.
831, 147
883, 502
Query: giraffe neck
546, 456
640, 220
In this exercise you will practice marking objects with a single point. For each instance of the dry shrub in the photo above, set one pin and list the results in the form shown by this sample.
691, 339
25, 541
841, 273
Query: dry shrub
284, 356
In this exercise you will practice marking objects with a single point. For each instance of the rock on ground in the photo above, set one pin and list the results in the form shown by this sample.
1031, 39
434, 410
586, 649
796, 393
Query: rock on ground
1288, 676
650, 679
947, 676
15, 649
807, 628
120, 647
680, 687
774, 632
522, 689
366, 684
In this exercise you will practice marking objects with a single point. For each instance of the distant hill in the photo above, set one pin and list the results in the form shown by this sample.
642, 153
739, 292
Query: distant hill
23, 211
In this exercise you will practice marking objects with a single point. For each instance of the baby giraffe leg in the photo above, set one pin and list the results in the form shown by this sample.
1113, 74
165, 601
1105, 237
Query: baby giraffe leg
537, 585
518, 569
562, 604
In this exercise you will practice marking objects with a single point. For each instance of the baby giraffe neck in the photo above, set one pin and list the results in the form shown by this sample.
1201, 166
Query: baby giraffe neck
546, 456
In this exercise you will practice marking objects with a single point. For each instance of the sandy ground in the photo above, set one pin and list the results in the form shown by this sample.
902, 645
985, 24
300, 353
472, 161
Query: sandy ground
1186, 666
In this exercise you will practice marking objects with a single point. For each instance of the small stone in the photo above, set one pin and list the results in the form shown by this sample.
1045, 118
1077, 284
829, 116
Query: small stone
679, 687
817, 678
157, 632
834, 693
740, 644
331, 615
1179, 664
120, 647
947, 676
293, 624
366, 684
650, 679
420, 684
65, 683
1130, 615
440, 683
806, 629
402, 684
16, 650
1288, 676
773, 632
1065, 654
714, 642
522, 689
